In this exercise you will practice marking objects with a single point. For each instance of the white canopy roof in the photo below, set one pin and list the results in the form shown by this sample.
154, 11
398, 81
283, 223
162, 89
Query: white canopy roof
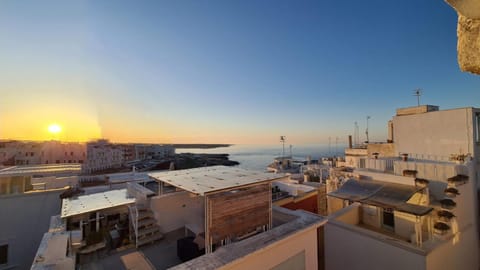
213, 179
94, 202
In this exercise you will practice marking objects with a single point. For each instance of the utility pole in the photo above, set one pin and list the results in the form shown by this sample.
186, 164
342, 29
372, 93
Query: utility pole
355, 134
336, 146
330, 146
366, 131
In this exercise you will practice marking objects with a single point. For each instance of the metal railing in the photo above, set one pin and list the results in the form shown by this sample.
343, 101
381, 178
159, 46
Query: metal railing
134, 220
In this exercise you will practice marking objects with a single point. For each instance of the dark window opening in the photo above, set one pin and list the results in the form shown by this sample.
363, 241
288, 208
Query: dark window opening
388, 218
3, 254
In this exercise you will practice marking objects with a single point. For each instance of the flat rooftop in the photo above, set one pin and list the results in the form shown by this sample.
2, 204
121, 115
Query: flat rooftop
213, 179
94, 202
298, 221
163, 254
69, 168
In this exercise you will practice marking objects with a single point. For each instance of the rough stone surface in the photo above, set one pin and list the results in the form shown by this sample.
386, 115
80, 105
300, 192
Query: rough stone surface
468, 32
467, 8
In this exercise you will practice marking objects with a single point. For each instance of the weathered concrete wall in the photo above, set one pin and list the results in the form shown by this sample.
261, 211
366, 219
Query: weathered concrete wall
277, 253
24, 220
439, 133
383, 149
174, 210
452, 255
348, 249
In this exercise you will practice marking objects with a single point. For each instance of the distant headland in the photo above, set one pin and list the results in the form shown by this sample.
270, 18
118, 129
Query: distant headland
201, 145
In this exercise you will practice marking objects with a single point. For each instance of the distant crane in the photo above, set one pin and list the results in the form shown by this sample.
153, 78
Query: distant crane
417, 92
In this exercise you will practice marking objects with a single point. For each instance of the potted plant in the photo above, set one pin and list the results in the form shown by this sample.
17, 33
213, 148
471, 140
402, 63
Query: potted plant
459, 158
448, 203
441, 228
445, 215
451, 192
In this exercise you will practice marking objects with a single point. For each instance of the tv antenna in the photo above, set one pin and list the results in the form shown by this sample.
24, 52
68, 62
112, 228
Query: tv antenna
417, 92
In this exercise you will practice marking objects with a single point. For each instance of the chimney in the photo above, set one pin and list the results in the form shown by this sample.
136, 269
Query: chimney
350, 145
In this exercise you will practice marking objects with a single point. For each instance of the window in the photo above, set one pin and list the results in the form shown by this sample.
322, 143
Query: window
388, 218
3, 254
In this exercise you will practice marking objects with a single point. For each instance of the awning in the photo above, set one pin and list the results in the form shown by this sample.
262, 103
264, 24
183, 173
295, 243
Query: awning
382, 194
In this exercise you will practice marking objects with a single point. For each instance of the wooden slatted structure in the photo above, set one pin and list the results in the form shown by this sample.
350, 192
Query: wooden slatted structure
232, 214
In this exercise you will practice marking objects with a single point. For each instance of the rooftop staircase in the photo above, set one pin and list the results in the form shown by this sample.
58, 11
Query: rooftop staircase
143, 224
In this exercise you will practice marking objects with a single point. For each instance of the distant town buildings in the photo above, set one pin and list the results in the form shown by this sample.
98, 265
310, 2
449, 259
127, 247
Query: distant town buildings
99, 155
103, 155
36, 153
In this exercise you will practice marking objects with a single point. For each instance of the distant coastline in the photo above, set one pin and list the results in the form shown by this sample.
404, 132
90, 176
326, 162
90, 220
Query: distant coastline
201, 146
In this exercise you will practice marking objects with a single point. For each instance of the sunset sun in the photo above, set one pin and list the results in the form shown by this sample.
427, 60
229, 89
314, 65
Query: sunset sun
54, 128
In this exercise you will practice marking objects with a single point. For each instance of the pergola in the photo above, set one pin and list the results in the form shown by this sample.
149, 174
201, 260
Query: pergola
237, 201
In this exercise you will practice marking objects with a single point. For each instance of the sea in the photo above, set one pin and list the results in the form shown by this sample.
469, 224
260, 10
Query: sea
257, 157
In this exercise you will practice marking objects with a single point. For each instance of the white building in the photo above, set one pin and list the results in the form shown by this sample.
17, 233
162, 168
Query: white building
152, 151
413, 201
102, 155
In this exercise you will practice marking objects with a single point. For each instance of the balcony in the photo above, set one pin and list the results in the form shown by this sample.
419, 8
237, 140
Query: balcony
438, 169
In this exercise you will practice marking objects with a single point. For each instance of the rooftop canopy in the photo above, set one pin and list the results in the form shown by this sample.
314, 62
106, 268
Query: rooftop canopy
382, 194
205, 180
94, 202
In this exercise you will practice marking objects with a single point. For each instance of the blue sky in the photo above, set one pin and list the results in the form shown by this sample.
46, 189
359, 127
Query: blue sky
224, 71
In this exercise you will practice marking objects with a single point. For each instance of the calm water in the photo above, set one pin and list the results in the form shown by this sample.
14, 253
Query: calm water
257, 157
